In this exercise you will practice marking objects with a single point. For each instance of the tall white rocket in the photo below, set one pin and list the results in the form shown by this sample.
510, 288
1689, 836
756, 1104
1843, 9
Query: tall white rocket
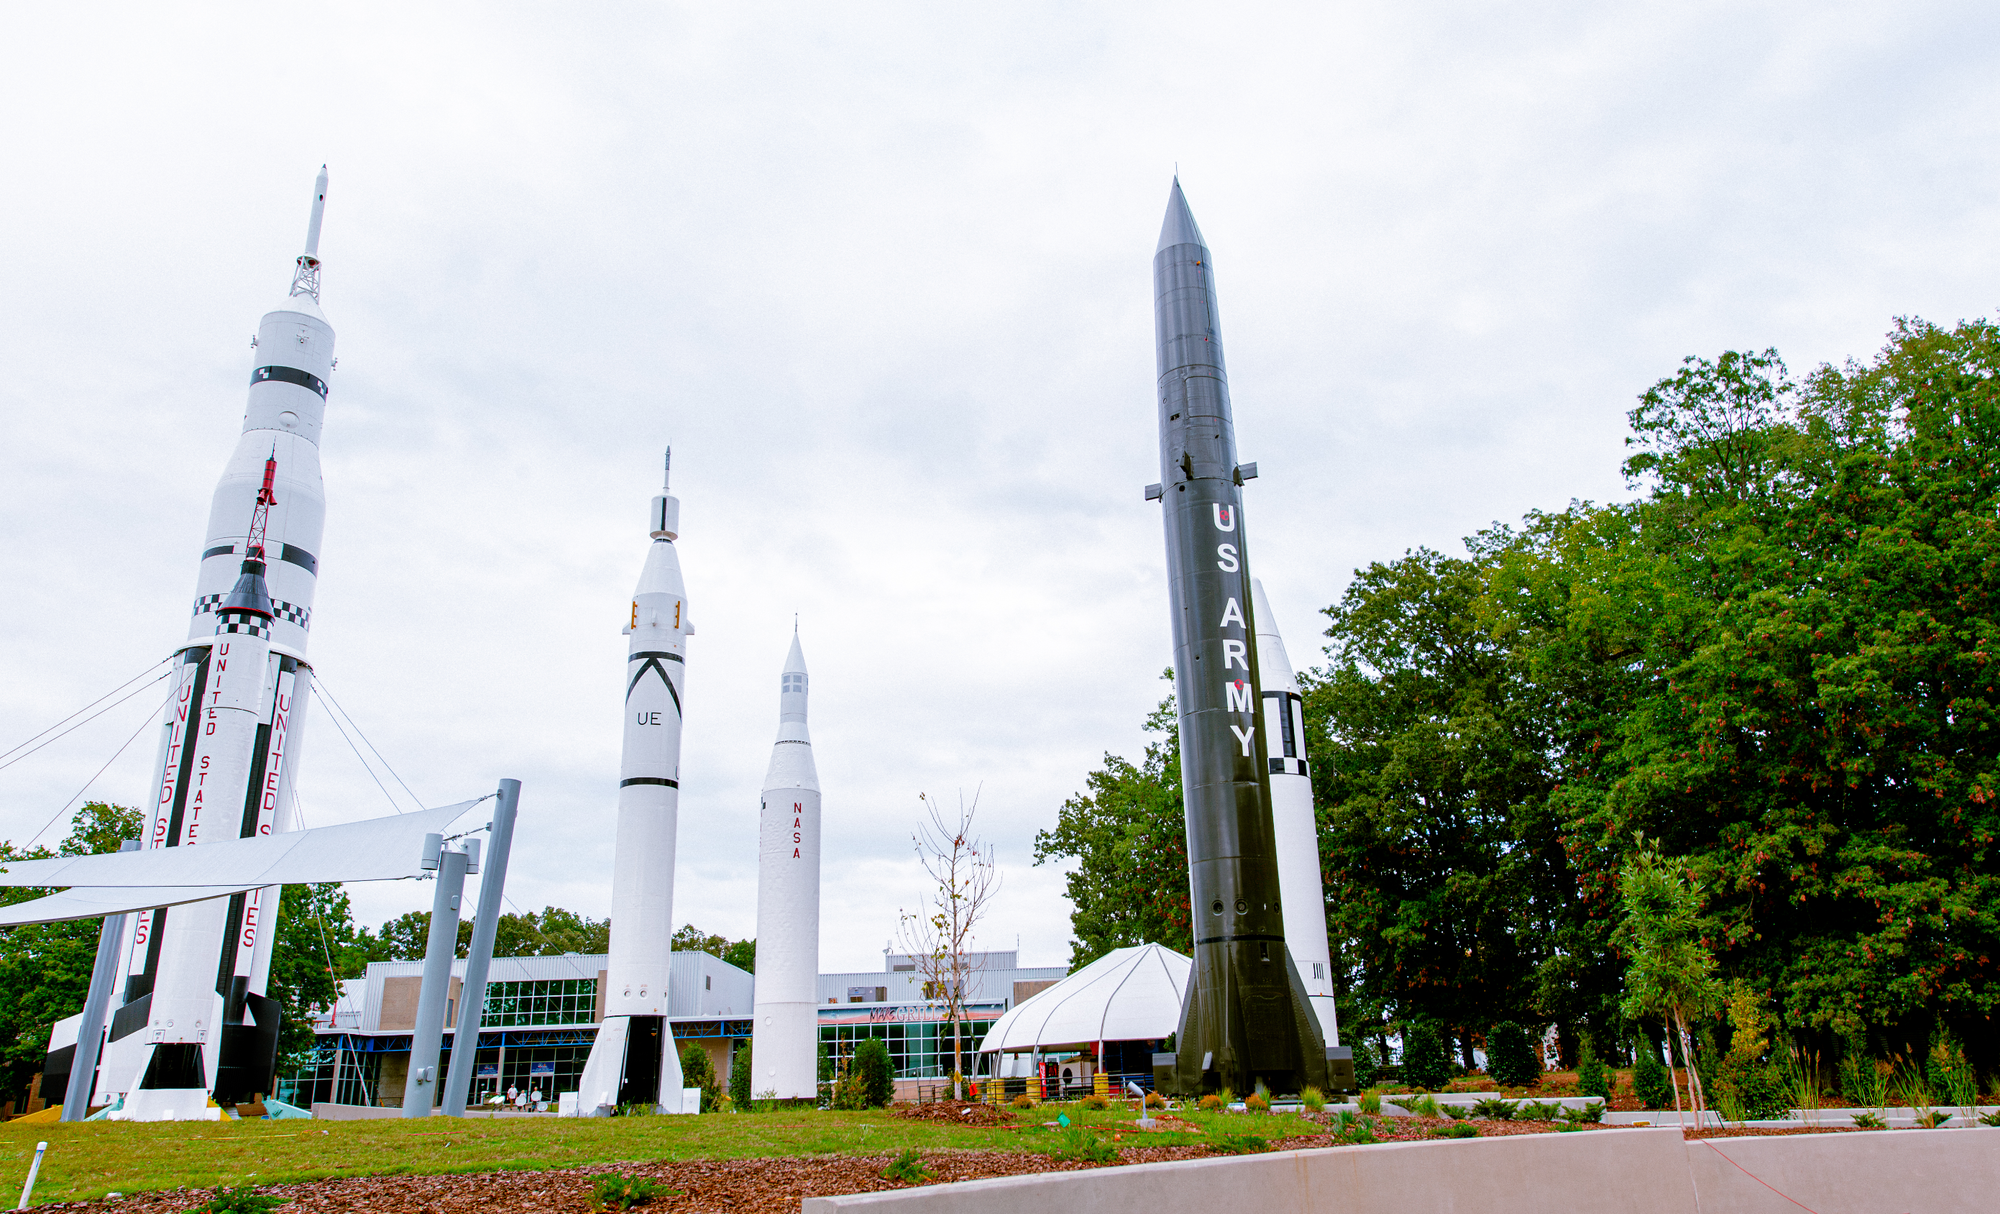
1293, 827
784, 1040
632, 1060
194, 1019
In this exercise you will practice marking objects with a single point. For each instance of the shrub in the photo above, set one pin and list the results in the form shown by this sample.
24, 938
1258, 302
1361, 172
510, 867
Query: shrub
1870, 1121
698, 1072
875, 1073
1351, 1128
244, 1199
1593, 1078
1457, 1112
1992, 1119
1367, 1069
739, 1077
1256, 1103
1155, 1101
1080, 1144
1495, 1108
1650, 1081
907, 1167
1211, 1103
624, 1192
1464, 1130
1951, 1075
1094, 1101
1590, 1114
1753, 1091
1933, 1119
1538, 1110
1238, 1144
1313, 1099
1023, 1101
1425, 1063
1510, 1056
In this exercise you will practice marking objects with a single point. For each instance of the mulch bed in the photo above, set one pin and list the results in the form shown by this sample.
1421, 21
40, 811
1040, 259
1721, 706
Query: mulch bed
1752, 1131
766, 1186
954, 1112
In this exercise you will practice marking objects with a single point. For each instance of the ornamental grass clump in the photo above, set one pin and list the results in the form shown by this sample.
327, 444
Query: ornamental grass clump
1256, 1102
1494, 1108
1211, 1103
1238, 1144
1080, 1144
625, 1192
1370, 1103
1313, 1099
1023, 1101
244, 1199
908, 1167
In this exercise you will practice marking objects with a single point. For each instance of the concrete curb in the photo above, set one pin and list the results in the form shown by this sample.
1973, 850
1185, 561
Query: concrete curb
1632, 1171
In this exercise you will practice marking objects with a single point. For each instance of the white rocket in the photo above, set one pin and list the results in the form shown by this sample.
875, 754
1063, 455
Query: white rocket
1295, 831
194, 1018
784, 1041
633, 1059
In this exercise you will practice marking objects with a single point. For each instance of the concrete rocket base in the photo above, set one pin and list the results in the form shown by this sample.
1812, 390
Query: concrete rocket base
625, 1045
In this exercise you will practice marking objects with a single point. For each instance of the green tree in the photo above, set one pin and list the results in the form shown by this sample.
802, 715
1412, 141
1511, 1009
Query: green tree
314, 949
1426, 1061
739, 1076
45, 968
1128, 836
1446, 874
874, 1072
1672, 973
698, 1072
551, 932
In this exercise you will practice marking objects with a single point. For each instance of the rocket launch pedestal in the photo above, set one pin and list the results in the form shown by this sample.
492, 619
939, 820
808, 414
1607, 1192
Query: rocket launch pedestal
1245, 1016
784, 1043
633, 1059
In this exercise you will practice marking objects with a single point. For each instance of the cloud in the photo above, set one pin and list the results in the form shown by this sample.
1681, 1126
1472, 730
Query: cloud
881, 275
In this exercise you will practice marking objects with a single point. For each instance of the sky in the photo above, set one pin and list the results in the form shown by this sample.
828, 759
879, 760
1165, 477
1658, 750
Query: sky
881, 275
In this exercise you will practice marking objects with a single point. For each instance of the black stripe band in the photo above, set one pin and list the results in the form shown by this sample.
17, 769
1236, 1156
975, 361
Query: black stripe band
1245, 936
219, 550
671, 657
300, 557
289, 375
649, 780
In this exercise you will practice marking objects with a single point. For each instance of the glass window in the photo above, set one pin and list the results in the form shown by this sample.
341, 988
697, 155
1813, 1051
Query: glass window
563, 1001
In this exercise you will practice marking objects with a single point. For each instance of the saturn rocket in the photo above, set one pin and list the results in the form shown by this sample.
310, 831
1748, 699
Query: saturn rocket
784, 1041
1245, 1016
632, 1060
1293, 828
193, 1017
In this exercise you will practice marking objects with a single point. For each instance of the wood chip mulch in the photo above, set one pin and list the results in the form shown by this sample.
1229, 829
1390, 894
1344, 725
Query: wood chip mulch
1758, 1131
954, 1112
748, 1186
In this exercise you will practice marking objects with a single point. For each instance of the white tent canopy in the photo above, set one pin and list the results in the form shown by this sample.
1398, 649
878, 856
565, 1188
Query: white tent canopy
1129, 994
378, 849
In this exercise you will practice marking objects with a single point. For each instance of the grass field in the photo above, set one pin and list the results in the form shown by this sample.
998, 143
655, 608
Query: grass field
91, 1159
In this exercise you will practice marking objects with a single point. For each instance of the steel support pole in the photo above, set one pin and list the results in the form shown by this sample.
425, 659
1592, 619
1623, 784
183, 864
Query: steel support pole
472, 996
90, 1033
429, 1035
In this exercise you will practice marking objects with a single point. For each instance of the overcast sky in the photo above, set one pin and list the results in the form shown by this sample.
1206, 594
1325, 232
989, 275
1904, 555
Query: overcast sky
881, 273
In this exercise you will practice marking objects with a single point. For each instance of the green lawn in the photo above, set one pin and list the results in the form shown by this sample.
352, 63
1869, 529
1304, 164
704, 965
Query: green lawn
90, 1159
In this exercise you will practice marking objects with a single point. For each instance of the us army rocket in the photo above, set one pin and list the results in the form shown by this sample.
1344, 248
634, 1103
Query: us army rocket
1293, 828
632, 1060
785, 1038
1244, 1016
194, 1018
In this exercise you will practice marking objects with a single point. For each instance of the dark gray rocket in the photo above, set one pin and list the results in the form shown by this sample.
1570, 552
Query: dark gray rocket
1244, 1017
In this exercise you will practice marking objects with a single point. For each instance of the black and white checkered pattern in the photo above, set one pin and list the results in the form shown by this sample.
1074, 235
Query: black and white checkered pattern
242, 623
291, 613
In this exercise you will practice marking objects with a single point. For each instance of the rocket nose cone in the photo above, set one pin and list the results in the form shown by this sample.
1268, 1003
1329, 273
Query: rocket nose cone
1267, 624
795, 661
1179, 226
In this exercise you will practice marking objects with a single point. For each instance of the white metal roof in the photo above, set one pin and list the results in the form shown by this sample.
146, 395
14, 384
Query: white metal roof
1129, 994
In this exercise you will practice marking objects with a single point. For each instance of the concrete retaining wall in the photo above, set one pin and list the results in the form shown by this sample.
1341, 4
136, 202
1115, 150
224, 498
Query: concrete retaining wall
1637, 1171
